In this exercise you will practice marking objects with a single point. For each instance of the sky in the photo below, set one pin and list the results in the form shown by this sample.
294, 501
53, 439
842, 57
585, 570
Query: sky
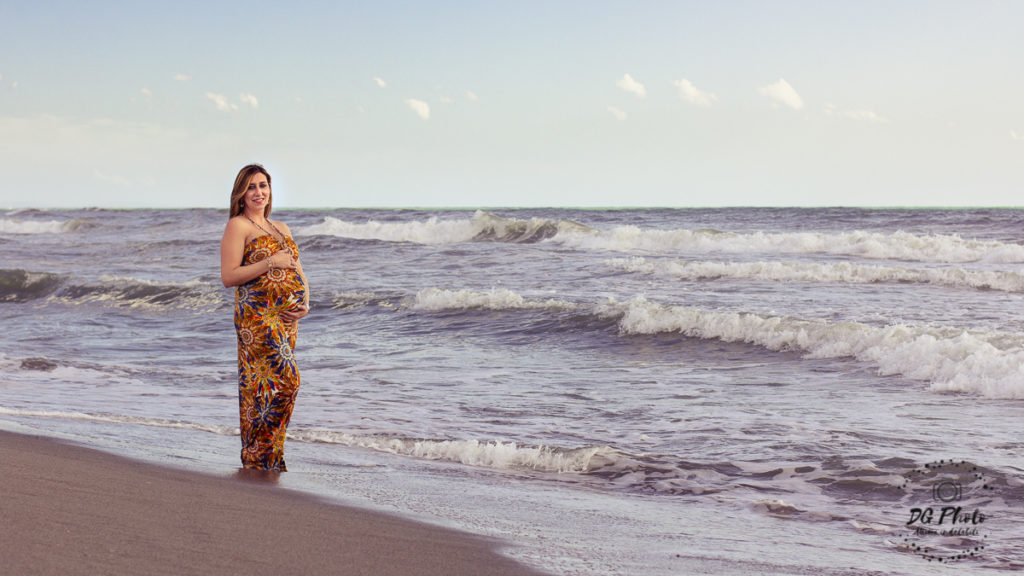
513, 104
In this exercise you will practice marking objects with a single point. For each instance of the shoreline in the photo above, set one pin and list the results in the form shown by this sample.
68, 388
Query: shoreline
72, 509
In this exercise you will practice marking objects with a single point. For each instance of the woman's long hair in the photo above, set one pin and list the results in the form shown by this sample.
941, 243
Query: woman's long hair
242, 184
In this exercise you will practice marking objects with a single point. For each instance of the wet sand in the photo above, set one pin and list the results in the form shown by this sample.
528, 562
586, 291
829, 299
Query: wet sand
67, 509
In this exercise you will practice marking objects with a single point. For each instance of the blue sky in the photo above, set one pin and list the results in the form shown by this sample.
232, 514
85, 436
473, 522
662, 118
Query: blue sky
483, 104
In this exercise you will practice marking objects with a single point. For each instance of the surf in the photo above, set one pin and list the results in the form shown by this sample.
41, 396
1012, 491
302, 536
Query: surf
842, 272
950, 359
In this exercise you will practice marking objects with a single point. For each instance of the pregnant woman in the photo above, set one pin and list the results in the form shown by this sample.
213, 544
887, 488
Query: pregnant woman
259, 257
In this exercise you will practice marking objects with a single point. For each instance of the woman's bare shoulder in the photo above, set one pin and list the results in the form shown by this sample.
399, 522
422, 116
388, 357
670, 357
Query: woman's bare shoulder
239, 226
236, 224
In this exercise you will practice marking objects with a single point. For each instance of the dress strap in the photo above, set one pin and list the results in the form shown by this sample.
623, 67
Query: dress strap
284, 238
279, 233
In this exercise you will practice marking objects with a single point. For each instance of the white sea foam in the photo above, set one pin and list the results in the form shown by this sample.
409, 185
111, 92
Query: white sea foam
482, 226
431, 231
495, 454
436, 300
776, 508
842, 272
486, 226
14, 226
120, 419
343, 300
986, 363
890, 246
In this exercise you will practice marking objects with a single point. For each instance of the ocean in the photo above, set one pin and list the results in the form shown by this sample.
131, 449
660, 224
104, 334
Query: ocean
609, 391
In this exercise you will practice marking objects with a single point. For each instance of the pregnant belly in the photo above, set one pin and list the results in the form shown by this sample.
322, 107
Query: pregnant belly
285, 289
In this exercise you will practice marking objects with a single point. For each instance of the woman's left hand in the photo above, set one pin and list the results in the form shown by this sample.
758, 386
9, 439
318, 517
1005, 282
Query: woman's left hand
293, 315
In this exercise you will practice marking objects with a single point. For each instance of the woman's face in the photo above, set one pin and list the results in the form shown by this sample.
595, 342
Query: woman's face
257, 194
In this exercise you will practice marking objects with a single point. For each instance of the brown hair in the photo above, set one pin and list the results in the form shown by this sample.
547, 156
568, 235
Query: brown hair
242, 184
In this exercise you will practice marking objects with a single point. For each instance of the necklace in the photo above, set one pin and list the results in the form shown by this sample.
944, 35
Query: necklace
264, 230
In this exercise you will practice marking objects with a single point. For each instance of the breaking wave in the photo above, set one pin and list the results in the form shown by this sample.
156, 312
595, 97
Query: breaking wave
481, 227
493, 454
24, 286
488, 227
950, 359
144, 294
16, 226
435, 299
870, 245
843, 272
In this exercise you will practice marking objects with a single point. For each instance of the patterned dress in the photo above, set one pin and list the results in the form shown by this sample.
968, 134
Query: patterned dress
268, 379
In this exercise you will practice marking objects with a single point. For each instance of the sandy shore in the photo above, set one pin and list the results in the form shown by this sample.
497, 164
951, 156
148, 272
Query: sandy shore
73, 510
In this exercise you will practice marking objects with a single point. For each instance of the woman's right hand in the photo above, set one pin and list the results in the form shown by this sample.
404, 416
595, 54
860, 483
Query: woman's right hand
282, 259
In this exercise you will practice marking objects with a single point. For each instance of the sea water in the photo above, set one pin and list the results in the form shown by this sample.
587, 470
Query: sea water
642, 392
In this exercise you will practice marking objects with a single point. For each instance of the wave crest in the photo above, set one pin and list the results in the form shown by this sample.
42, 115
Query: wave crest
481, 227
16, 226
437, 300
843, 272
494, 454
487, 227
145, 294
951, 360
23, 285
869, 245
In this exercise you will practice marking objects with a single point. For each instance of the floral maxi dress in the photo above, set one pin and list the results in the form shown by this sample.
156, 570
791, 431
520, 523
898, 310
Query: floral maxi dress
268, 379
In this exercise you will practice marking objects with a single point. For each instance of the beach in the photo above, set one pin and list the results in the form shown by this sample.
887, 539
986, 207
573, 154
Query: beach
73, 510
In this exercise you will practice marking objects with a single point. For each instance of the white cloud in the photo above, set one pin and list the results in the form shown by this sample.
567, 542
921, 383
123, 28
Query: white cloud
1, 77
472, 95
182, 77
782, 93
420, 107
380, 82
446, 100
693, 95
146, 92
859, 115
221, 102
249, 99
1015, 136
14, 84
617, 113
629, 85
